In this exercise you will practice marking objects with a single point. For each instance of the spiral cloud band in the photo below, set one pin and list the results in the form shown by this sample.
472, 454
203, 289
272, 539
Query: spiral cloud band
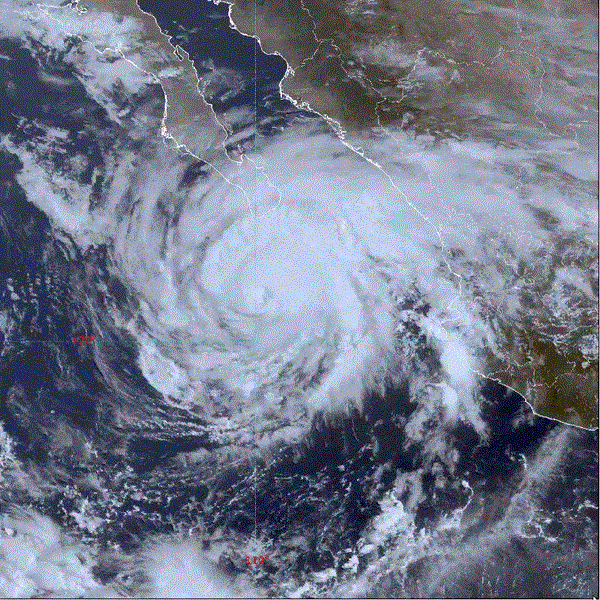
282, 276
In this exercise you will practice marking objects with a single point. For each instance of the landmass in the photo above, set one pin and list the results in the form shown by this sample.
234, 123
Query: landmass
369, 63
189, 120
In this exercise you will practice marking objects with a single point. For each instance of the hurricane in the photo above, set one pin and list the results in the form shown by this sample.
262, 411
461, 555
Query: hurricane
345, 349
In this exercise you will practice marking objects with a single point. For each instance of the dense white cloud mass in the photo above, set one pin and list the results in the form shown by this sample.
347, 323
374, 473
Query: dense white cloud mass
296, 258
34, 555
